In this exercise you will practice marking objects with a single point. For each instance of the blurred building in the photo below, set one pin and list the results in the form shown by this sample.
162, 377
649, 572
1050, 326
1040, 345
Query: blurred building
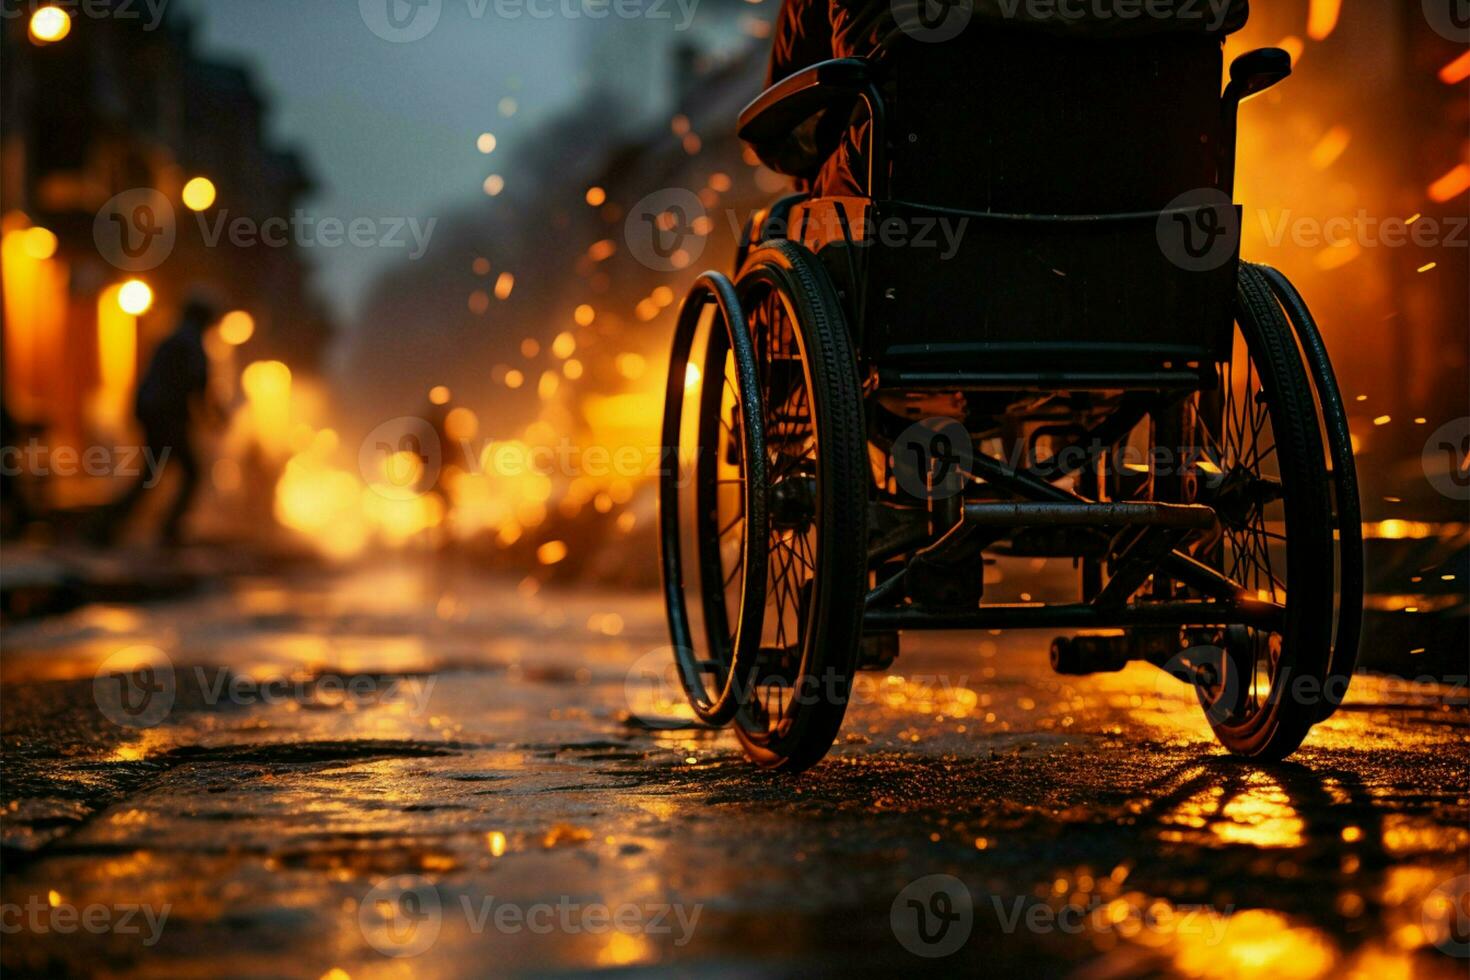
99, 102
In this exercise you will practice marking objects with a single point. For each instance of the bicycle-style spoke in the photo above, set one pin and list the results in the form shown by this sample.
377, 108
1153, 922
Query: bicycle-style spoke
1250, 549
791, 455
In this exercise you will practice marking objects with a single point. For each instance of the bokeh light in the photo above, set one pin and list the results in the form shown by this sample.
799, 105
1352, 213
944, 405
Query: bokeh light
236, 327
39, 243
199, 194
49, 25
135, 297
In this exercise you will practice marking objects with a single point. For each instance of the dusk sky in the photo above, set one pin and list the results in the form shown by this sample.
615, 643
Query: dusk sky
389, 129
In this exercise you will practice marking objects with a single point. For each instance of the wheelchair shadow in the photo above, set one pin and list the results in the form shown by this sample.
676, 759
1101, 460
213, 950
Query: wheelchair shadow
1224, 800
1305, 841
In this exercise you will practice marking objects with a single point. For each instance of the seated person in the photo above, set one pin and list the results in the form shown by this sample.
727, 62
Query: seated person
826, 153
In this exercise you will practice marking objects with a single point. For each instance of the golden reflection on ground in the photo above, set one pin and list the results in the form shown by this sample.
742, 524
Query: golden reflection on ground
1226, 943
143, 743
1260, 817
286, 655
1153, 699
109, 619
1257, 942
624, 949
1405, 834
918, 695
1198, 940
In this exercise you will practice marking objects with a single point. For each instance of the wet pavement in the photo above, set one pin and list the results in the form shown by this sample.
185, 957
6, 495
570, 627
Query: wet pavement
387, 772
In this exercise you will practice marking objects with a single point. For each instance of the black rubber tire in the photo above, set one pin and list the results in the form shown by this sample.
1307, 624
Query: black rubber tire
733, 649
1294, 705
832, 633
1347, 510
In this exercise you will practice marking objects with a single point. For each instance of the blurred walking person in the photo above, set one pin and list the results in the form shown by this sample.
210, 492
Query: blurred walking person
174, 393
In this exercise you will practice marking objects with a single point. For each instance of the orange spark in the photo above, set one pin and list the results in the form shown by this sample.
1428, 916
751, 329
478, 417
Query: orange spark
1451, 184
1456, 71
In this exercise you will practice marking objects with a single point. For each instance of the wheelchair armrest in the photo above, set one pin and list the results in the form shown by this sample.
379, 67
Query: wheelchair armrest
1254, 72
1250, 74
784, 106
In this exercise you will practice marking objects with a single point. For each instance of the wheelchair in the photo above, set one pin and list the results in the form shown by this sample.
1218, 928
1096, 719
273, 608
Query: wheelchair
863, 424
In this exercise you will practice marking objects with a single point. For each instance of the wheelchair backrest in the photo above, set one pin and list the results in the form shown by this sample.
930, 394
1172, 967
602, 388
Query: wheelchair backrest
1061, 163
1022, 122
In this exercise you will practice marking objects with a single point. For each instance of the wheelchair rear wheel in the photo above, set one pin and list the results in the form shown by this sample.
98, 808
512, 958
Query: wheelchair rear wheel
816, 516
1347, 514
712, 421
1268, 482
